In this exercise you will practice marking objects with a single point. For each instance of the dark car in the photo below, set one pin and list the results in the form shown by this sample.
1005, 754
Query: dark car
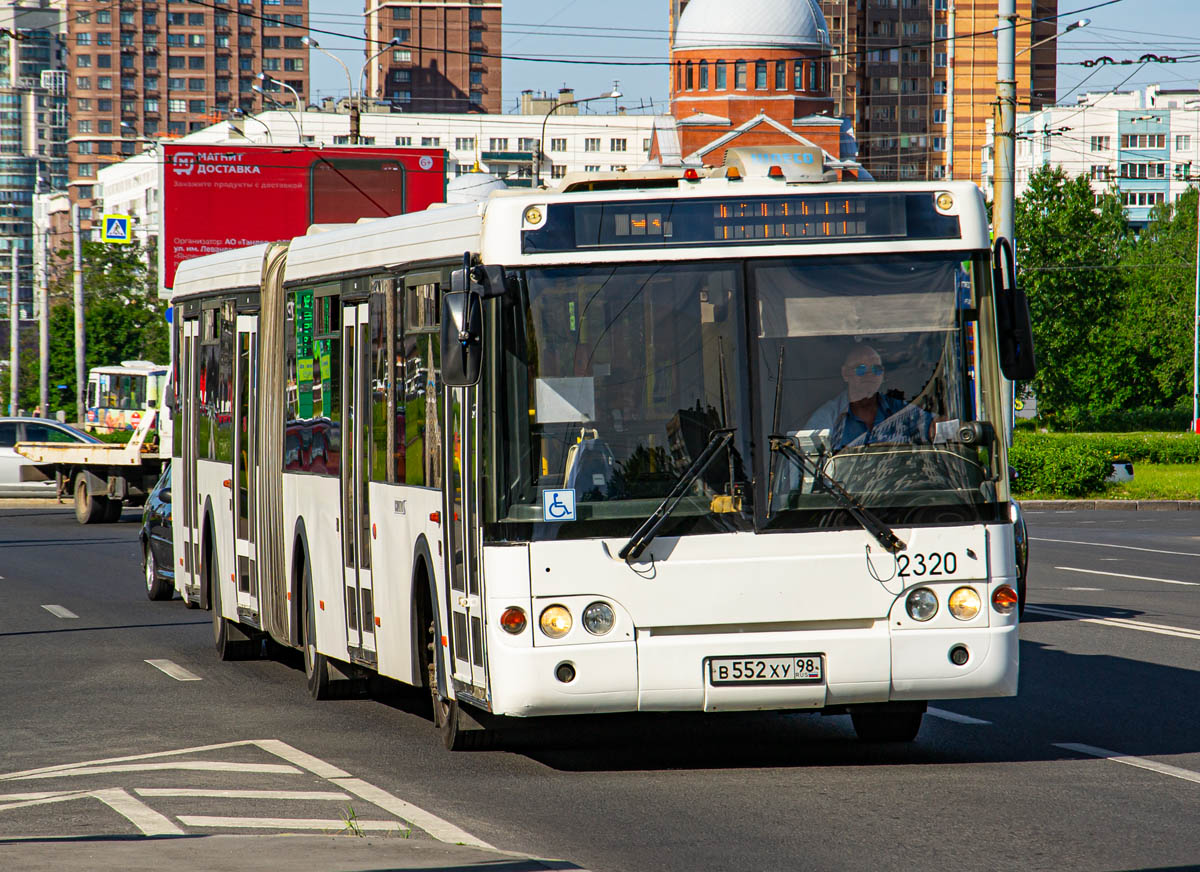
158, 550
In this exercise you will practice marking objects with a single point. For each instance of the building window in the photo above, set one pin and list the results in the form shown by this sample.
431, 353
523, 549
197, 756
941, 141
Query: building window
1143, 170
464, 143
591, 143
939, 86
83, 83
760, 76
104, 83
403, 140
617, 145
195, 19
402, 33
402, 56
476, 35
83, 148
721, 76
401, 13
295, 65
939, 143
431, 141
780, 75
1144, 140
559, 144
591, 168
739, 76
688, 80
177, 105
87, 171
798, 76
475, 15
83, 39
939, 59
1183, 142
1101, 143
939, 116
704, 75
558, 171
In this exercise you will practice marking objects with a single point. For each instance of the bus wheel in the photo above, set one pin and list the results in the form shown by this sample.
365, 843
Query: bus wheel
316, 666
88, 509
230, 642
887, 726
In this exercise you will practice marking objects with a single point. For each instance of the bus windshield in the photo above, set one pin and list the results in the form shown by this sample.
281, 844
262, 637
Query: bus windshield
615, 377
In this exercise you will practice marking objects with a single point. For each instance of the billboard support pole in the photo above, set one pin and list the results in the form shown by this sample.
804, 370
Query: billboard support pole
80, 335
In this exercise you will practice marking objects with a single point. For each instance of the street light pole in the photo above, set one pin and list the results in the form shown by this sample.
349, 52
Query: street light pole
260, 90
354, 114
614, 94
299, 117
14, 331
355, 117
80, 334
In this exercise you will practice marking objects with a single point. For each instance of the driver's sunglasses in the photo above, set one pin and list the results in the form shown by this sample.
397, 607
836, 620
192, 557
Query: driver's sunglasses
874, 369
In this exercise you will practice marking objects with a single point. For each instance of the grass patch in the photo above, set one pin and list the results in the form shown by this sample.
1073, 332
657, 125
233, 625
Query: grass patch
1151, 481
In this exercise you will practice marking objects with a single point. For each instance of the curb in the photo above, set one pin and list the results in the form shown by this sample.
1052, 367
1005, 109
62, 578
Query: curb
1117, 505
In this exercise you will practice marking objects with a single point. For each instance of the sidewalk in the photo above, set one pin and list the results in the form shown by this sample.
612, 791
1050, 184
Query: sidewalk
226, 853
1119, 505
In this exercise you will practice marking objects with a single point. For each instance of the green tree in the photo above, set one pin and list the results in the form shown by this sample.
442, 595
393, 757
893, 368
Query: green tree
123, 319
1069, 245
1161, 274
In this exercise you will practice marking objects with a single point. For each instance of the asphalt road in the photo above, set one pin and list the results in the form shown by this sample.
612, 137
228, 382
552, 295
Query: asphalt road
1095, 765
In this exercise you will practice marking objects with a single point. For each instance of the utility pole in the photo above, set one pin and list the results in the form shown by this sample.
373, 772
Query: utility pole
44, 326
950, 95
80, 335
14, 331
1003, 143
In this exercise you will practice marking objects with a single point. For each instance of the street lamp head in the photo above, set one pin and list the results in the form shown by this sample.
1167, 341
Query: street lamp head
614, 94
309, 42
262, 77
1082, 22
258, 89
395, 40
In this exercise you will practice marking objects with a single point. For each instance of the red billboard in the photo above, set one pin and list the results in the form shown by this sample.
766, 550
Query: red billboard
216, 197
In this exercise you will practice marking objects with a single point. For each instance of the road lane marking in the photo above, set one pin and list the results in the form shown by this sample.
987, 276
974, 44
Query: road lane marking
956, 717
335, 824
1112, 545
1083, 617
240, 794
191, 765
298, 758
60, 612
174, 670
155, 755
1124, 575
439, 828
1139, 762
1085, 588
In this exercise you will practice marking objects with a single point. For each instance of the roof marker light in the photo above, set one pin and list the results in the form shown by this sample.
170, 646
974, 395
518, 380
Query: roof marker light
691, 175
733, 174
775, 172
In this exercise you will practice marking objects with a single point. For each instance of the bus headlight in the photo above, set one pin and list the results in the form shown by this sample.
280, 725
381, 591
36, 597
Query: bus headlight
922, 604
598, 618
964, 603
555, 621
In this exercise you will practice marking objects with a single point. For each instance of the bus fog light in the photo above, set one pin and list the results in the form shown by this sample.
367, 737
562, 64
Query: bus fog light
598, 618
564, 672
513, 620
964, 603
959, 655
1004, 599
921, 604
555, 621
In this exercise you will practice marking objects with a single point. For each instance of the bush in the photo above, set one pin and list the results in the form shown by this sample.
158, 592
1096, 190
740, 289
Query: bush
1058, 467
1177, 420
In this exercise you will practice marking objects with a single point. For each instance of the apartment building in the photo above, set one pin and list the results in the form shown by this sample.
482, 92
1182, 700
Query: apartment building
1145, 143
444, 56
919, 78
144, 69
32, 134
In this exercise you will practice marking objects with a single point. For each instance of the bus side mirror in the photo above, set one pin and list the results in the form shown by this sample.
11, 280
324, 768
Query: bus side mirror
485, 280
462, 338
1015, 332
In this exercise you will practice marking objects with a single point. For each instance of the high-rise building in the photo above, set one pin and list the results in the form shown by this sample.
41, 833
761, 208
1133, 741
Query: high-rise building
921, 99
145, 69
32, 132
445, 55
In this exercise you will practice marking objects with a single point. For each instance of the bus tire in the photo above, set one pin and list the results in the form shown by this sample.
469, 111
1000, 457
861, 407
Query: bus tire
316, 665
886, 726
88, 509
230, 642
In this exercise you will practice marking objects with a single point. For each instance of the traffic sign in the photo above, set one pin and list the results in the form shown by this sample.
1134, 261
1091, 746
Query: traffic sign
116, 228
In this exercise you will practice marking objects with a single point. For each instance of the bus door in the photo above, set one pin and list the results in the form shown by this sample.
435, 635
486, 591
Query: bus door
462, 539
245, 467
355, 473
185, 483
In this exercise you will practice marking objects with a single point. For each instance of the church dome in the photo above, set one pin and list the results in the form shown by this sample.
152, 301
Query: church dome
769, 24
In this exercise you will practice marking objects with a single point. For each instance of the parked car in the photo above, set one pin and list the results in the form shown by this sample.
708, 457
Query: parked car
158, 552
14, 430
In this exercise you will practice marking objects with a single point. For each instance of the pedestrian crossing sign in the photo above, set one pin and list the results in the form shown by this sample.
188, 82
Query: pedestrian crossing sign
116, 228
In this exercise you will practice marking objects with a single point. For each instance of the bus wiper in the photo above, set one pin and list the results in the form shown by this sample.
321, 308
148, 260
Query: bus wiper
784, 445
645, 534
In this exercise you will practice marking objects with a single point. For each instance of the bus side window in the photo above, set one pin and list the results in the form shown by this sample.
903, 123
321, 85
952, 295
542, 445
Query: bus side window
418, 447
91, 395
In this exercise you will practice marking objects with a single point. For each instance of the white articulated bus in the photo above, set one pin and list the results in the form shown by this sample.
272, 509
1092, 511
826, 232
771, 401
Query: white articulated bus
700, 441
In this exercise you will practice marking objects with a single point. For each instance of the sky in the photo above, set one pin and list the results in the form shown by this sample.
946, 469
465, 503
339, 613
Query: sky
629, 38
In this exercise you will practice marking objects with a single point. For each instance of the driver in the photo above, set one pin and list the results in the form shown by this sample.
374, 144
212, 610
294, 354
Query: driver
862, 414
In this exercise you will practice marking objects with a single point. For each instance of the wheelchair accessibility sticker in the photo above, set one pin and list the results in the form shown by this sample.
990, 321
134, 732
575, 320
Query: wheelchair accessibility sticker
558, 505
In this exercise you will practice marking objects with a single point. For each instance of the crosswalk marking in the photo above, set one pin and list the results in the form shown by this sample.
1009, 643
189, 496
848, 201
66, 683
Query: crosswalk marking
193, 765
198, 793
334, 824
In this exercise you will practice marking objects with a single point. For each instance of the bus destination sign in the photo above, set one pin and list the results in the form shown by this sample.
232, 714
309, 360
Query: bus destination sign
740, 221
